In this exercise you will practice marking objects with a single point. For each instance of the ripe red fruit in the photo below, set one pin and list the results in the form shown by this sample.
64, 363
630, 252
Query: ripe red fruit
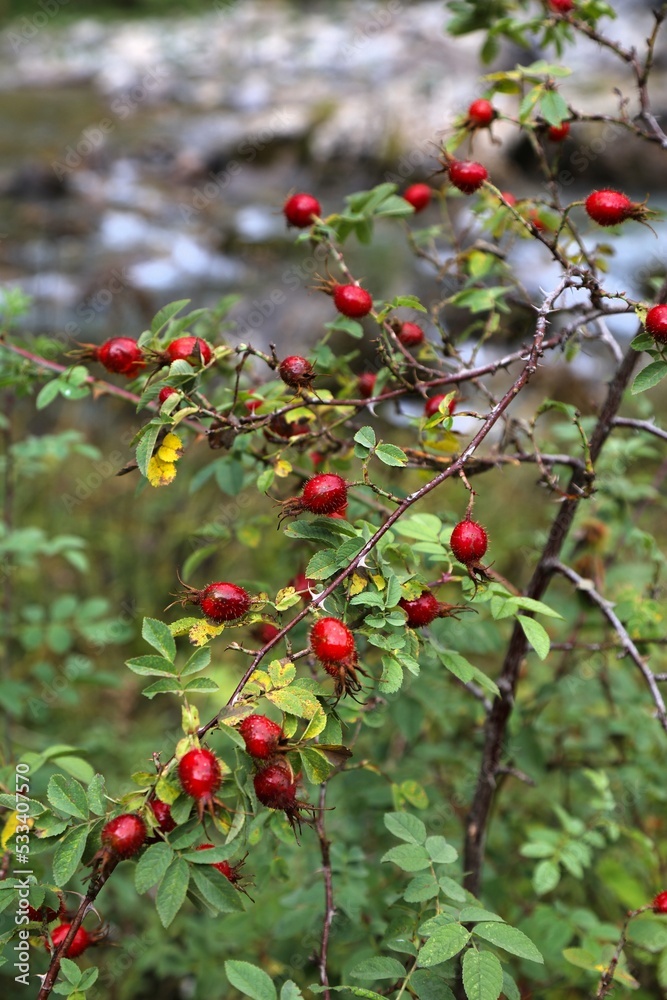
325, 493
468, 542
162, 812
609, 208
252, 404
81, 940
660, 903
562, 6
200, 774
466, 175
194, 350
300, 209
366, 384
433, 405
410, 334
221, 602
120, 355
165, 393
418, 195
262, 736
276, 788
230, 872
352, 300
557, 133
656, 323
333, 644
124, 835
509, 198
426, 608
265, 631
296, 372
481, 113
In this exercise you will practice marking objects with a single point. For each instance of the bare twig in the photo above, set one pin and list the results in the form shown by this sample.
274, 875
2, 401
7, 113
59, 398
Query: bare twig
606, 981
641, 425
329, 908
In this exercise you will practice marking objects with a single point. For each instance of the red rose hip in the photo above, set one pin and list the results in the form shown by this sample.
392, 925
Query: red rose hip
469, 542
410, 334
200, 774
561, 6
352, 300
660, 903
609, 208
262, 736
656, 323
194, 350
221, 601
120, 355
426, 608
162, 812
481, 113
124, 835
433, 405
165, 393
466, 175
325, 493
296, 372
418, 195
81, 940
366, 384
558, 133
300, 209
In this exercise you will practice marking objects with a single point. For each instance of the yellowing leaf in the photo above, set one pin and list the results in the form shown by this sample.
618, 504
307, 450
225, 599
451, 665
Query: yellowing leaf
9, 828
160, 473
357, 584
282, 468
448, 442
200, 633
379, 581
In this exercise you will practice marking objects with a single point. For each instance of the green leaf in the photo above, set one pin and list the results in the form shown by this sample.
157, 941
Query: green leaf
217, 889
95, 795
553, 107
509, 939
429, 986
378, 968
201, 684
71, 971
510, 988
365, 437
48, 393
392, 675
391, 455
290, 991
68, 854
199, 660
409, 857
172, 891
452, 889
443, 944
88, 978
165, 314
482, 975
152, 865
77, 767
536, 635
322, 565
473, 914
537, 606
546, 877
440, 851
649, 376
67, 796
151, 666
421, 888
146, 446
164, 686
405, 826
250, 980
159, 636
316, 765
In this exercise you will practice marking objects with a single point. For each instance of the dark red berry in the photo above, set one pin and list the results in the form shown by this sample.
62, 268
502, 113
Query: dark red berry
222, 602
325, 493
660, 903
481, 113
230, 872
562, 6
262, 736
557, 133
418, 195
433, 405
609, 208
124, 835
265, 632
77, 945
252, 404
469, 541
194, 350
296, 372
165, 393
352, 300
656, 323
331, 640
200, 774
162, 812
466, 175
276, 786
410, 335
366, 384
300, 209
121, 355
509, 198
421, 610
